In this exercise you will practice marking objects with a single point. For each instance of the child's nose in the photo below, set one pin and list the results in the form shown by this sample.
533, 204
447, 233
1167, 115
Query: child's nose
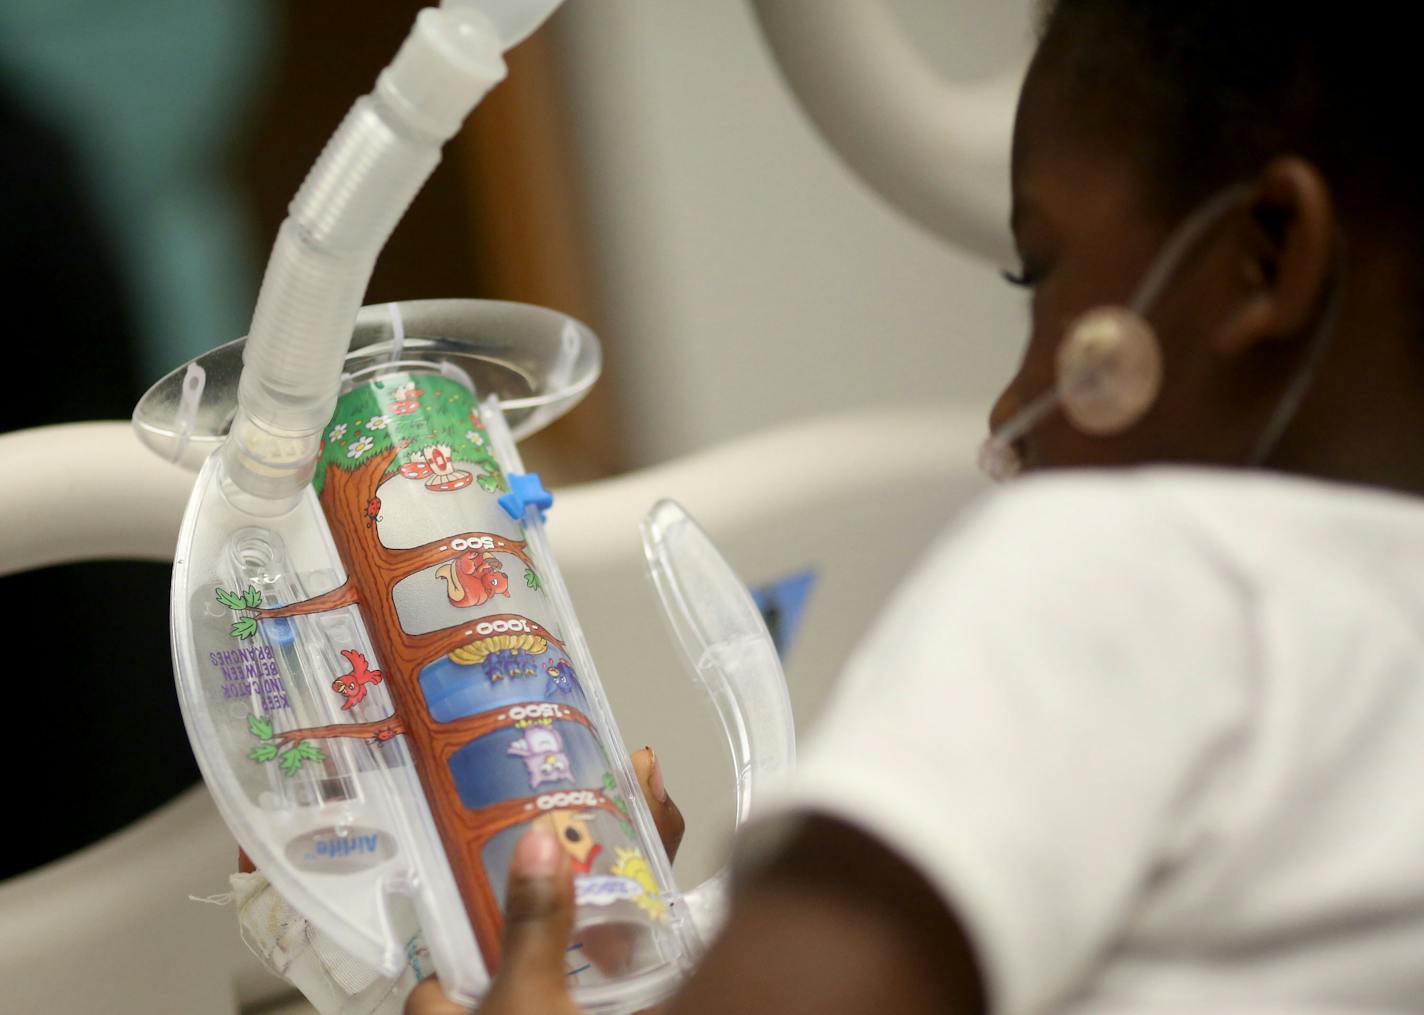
1006, 407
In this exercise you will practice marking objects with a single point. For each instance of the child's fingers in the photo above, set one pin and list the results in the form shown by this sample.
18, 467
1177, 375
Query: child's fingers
665, 813
608, 946
428, 999
538, 920
538, 916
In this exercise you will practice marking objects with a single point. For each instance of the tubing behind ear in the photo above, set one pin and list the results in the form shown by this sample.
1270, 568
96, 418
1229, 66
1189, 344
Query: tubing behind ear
1109, 370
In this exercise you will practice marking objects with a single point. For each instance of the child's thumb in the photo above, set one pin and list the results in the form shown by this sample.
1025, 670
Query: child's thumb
538, 913
666, 815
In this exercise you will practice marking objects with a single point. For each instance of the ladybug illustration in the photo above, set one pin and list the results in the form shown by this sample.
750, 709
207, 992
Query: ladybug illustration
373, 511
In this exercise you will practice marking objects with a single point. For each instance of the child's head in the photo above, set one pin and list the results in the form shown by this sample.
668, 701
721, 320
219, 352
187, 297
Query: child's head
1134, 113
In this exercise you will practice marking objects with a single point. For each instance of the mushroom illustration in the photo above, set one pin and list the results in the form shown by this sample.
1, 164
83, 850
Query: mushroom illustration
434, 465
405, 399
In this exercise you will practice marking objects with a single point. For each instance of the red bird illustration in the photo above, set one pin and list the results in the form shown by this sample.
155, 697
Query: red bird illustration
353, 684
473, 578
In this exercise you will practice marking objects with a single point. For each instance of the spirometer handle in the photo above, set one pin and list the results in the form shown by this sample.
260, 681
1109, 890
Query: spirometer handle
731, 656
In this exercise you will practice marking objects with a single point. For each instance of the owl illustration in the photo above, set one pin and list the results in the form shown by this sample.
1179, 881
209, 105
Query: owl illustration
542, 750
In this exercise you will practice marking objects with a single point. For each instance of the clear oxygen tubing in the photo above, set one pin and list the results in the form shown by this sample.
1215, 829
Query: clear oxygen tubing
1113, 364
345, 210
1289, 404
997, 456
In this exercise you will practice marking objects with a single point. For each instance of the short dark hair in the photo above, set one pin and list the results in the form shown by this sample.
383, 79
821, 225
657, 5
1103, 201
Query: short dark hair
1204, 92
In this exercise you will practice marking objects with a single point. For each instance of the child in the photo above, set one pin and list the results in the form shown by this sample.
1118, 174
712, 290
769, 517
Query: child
1141, 739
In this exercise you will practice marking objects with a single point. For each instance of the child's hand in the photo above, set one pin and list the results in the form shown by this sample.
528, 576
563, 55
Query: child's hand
665, 813
538, 917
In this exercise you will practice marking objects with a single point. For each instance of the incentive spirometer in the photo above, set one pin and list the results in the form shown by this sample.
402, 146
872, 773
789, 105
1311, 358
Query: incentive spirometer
379, 666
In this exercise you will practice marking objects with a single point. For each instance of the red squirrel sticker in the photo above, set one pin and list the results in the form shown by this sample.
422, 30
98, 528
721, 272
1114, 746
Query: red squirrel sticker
473, 578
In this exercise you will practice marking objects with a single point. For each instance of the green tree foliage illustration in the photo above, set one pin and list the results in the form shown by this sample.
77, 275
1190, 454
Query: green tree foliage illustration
250, 599
364, 427
290, 756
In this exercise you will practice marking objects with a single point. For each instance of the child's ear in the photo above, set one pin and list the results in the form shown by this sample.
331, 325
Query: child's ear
1285, 255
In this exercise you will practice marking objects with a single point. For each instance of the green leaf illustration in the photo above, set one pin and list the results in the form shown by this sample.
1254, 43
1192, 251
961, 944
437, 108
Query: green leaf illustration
264, 752
489, 483
291, 762
231, 600
310, 751
260, 727
532, 580
245, 628
609, 786
252, 598
627, 828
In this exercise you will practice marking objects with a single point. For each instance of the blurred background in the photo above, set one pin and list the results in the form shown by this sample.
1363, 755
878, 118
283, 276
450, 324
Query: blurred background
644, 168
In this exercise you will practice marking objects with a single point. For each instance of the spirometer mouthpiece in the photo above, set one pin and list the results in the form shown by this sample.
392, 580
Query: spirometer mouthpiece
1109, 370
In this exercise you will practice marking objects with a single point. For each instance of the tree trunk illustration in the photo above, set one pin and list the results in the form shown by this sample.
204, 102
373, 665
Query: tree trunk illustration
348, 480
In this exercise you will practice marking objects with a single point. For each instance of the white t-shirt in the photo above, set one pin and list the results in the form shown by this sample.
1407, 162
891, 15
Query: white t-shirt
1157, 737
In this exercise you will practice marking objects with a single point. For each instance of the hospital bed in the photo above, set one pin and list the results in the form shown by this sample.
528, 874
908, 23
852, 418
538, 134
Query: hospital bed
850, 500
